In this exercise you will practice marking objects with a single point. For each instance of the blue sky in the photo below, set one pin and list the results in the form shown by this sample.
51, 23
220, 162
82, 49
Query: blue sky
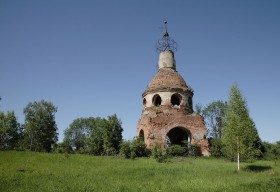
95, 58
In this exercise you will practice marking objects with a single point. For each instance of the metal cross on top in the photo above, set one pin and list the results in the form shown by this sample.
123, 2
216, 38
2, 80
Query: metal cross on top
166, 43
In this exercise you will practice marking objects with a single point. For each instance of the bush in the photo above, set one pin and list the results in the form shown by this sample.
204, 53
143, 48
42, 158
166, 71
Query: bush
177, 150
159, 154
216, 147
271, 151
63, 147
194, 150
139, 148
110, 151
136, 148
125, 150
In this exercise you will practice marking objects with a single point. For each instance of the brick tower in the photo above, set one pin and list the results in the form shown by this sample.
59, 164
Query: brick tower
167, 116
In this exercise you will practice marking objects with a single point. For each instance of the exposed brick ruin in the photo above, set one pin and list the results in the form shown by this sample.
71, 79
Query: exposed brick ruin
168, 110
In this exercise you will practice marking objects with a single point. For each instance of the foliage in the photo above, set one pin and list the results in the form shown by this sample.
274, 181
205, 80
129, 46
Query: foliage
40, 130
271, 151
139, 148
10, 131
159, 154
240, 134
177, 150
213, 115
194, 150
63, 147
125, 150
96, 136
157, 110
112, 135
78, 133
98, 127
32, 172
216, 147
133, 149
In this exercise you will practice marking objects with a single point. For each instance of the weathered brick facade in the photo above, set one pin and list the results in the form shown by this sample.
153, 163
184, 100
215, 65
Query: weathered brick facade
167, 109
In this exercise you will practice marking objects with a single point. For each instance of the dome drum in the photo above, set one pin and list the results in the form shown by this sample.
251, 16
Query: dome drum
173, 99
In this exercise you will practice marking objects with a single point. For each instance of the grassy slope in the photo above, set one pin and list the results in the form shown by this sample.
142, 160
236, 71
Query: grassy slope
58, 172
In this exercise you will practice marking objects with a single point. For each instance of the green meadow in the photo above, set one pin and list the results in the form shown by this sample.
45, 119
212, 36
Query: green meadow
30, 171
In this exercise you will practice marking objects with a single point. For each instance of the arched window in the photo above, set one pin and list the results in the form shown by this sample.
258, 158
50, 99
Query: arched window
176, 99
157, 100
190, 102
144, 101
141, 135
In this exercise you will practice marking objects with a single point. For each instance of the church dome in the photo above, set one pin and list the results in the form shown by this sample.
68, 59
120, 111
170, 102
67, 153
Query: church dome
167, 79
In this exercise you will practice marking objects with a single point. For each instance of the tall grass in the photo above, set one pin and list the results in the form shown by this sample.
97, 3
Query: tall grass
29, 171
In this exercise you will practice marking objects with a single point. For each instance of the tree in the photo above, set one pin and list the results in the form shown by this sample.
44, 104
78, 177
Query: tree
40, 129
112, 135
271, 151
9, 130
78, 133
214, 114
95, 135
241, 138
198, 109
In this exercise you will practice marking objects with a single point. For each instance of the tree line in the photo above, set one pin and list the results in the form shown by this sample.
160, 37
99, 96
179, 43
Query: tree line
96, 136
232, 133
39, 132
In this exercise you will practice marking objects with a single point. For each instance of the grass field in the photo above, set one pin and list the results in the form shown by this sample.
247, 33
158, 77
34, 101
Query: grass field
28, 171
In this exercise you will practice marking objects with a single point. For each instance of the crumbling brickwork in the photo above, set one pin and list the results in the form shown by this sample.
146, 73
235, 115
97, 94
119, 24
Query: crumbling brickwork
167, 109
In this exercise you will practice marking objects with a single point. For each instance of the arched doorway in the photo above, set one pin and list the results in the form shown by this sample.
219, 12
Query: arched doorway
178, 136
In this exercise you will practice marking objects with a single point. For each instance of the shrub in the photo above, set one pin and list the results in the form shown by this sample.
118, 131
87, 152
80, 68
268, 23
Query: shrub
133, 149
159, 154
63, 147
125, 150
216, 147
177, 150
194, 150
110, 151
139, 148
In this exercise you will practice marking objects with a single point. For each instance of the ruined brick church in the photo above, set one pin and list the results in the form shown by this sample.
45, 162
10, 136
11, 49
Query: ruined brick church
167, 116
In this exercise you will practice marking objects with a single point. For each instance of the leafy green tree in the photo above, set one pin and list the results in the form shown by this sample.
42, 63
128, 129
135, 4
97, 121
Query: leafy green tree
241, 138
98, 125
271, 151
96, 136
9, 131
112, 135
78, 133
214, 114
40, 129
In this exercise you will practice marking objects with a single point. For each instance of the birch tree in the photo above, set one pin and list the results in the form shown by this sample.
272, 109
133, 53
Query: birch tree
241, 137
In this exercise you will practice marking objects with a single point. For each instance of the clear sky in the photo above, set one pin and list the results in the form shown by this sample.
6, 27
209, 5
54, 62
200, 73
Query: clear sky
95, 58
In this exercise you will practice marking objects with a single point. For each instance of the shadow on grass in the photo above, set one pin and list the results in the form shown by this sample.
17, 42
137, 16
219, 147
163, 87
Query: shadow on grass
257, 168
